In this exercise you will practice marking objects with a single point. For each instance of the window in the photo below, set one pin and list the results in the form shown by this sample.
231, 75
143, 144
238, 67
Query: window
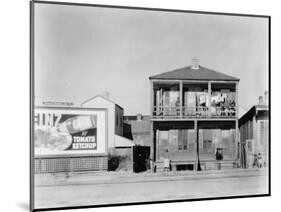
163, 140
182, 139
206, 140
250, 145
207, 146
263, 132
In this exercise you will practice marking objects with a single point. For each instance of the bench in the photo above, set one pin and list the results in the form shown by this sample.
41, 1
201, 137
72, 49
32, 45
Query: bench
187, 164
175, 165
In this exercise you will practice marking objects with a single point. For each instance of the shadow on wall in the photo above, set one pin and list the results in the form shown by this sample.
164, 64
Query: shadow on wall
127, 131
120, 160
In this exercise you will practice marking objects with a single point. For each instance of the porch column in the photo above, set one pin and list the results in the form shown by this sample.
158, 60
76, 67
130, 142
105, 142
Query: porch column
236, 137
197, 165
154, 144
237, 120
151, 98
236, 101
181, 99
209, 97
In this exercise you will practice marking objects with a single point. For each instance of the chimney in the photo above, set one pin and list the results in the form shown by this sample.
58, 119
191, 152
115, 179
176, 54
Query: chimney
195, 63
266, 97
105, 94
139, 117
260, 100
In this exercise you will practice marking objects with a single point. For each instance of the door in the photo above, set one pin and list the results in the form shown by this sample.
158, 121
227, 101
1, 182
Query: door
162, 143
243, 156
249, 149
170, 103
141, 156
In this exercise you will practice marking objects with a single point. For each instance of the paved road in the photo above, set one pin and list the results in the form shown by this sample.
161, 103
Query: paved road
94, 194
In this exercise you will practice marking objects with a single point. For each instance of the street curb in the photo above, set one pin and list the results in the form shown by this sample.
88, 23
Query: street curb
139, 178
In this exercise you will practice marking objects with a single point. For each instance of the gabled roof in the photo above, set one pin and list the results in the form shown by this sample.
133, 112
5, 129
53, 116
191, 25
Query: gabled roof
251, 113
187, 73
100, 96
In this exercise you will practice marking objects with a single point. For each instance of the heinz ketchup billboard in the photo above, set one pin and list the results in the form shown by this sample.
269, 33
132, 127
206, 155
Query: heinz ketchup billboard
69, 131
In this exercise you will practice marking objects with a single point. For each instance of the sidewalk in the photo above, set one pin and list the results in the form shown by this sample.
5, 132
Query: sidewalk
80, 178
83, 178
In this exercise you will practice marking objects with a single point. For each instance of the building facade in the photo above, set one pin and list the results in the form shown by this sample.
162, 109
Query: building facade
254, 133
137, 128
194, 111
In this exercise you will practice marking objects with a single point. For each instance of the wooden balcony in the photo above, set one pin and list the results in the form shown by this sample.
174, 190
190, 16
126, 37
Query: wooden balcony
194, 99
185, 112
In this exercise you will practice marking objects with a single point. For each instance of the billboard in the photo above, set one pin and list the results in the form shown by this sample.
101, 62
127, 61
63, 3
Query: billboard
69, 131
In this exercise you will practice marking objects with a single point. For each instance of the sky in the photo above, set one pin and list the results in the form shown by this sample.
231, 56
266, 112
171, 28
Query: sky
81, 52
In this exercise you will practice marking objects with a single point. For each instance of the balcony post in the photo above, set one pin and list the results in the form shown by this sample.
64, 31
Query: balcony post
155, 145
209, 97
236, 100
181, 113
151, 98
236, 138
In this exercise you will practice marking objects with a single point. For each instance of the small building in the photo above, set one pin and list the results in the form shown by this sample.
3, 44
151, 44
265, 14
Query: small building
119, 147
115, 117
194, 111
254, 133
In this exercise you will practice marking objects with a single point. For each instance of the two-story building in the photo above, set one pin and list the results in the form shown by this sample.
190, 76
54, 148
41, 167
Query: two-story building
194, 111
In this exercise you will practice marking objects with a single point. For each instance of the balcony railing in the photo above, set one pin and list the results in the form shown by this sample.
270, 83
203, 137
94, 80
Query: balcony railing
166, 112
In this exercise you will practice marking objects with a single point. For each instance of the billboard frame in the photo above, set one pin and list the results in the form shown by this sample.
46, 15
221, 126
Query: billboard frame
105, 110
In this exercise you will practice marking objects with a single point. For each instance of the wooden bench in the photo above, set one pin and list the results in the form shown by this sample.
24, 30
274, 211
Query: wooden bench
173, 164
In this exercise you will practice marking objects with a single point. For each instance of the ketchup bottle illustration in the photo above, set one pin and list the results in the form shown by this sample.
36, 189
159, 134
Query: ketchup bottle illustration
77, 124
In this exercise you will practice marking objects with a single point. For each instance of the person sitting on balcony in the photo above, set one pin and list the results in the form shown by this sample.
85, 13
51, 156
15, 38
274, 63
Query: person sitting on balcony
202, 100
218, 99
232, 103
202, 104
217, 102
178, 106
232, 107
